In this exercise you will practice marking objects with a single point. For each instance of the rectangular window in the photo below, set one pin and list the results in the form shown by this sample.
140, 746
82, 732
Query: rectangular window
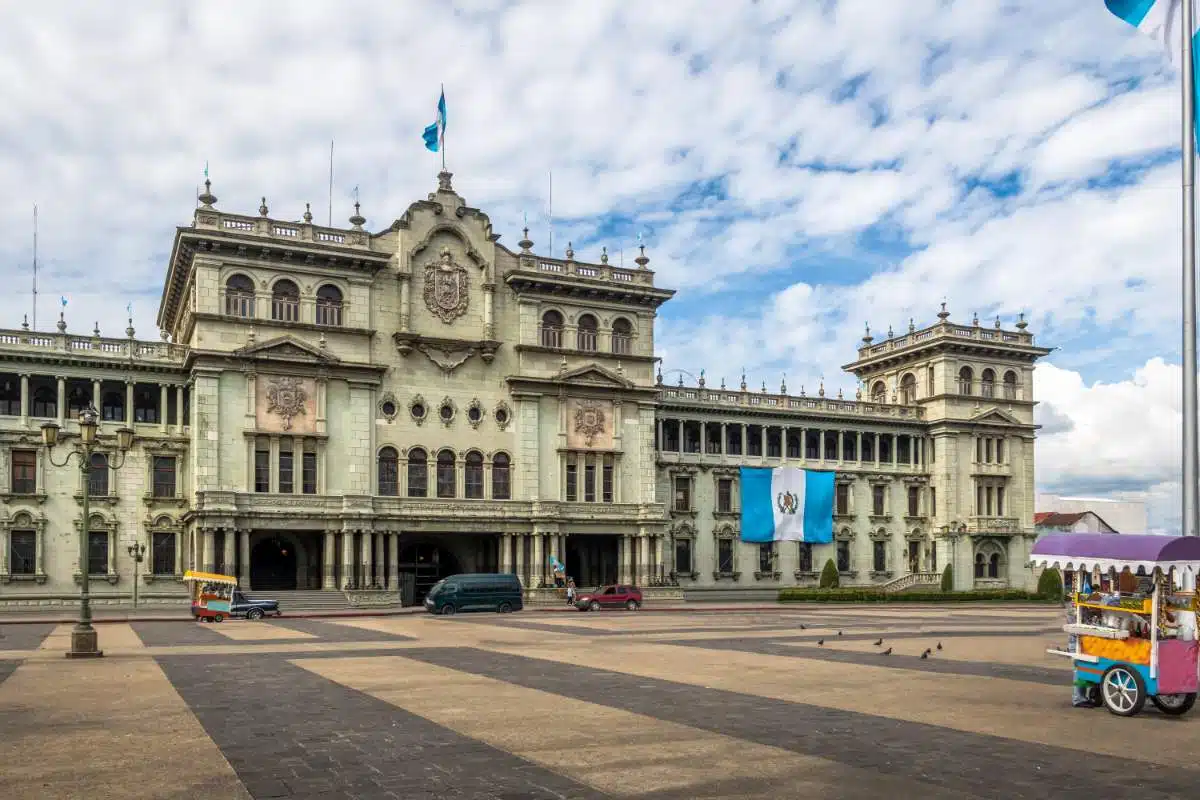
607, 488
683, 556
98, 476
22, 552
999, 451
162, 559
309, 476
773, 444
831, 444
164, 476
733, 440
725, 556
812, 442
843, 556
262, 470
24, 472
572, 483
97, 553
589, 482
418, 475
987, 451
979, 451
473, 478
914, 501
842, 499
806, 564
683, 494
725, 495
849, 447
879, 553
286, 468
979, 506
766, 557
988, 497
754, 441
932, 501
878, 500
999, 501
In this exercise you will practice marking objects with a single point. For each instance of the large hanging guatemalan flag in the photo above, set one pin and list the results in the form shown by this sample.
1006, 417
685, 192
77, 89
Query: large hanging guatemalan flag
1161, 20
787, 504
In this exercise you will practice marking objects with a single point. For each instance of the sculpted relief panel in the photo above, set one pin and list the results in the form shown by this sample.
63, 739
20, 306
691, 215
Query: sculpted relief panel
286, 404
589, 424
446, 287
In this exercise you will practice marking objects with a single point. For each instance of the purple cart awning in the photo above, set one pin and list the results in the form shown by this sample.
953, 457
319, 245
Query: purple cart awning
1117, 550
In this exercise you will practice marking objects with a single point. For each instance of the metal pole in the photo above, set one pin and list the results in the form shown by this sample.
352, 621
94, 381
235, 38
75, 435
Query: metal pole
1191, 461
83, 639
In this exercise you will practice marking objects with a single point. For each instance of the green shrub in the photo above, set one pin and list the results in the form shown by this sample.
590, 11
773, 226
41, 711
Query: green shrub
869, 595
1050, 584
948, 579
829, 575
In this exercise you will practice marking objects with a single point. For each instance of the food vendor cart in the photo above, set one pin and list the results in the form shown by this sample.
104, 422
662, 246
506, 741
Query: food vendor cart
1133, 629
212, 594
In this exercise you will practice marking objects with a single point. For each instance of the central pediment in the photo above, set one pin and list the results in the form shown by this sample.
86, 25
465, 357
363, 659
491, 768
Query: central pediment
286, 348
594, 375
994, 416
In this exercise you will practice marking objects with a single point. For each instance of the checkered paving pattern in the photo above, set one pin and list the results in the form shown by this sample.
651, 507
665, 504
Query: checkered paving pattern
794, 702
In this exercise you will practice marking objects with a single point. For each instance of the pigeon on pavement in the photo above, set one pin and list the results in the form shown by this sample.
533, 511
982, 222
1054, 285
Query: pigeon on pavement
925, 655
820, 642
887, 652
879, 642
939, 645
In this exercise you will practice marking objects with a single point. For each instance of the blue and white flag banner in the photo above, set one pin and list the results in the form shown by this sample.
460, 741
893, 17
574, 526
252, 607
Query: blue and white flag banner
1158, 19
787, 504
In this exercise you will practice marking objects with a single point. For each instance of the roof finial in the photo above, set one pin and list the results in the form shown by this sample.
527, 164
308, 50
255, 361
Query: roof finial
681, 380
975, 319
358, 219
722, 382
208, 199
658, 379
641, 260
743, 379
570, 252
96, 330
129, 328
890, 334
997, 322
525, 242
262, 209
911, 325
840, 393
783, 384
701, 381
604, 254
867, 337
943, 315
822, 389
308, 213
764, 387
25, 323
62, 323
1021, 323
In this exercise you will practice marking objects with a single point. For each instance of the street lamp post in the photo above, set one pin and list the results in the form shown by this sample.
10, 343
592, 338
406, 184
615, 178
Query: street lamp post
83, 637
137, 552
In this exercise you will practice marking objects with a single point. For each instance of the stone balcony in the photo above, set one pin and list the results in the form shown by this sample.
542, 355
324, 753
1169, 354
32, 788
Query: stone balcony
577, 269
720, 399
283, 232
61, 343
709, 460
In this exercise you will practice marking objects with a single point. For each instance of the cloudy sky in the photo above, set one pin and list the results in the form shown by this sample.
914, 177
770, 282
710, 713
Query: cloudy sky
797, 168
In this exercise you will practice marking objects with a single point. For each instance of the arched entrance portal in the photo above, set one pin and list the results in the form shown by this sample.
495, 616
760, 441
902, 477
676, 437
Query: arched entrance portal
421, 566
273, 565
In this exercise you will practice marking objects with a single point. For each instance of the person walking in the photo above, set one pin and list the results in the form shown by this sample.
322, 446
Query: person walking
570, 592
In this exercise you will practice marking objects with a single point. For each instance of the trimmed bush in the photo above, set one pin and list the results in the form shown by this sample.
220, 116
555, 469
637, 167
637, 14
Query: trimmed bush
829, 575
869, 595
948, 579
1050, 584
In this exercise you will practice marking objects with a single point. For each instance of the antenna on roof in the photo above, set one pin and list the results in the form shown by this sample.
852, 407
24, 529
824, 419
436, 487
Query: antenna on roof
35, 233
331, 183
550, 213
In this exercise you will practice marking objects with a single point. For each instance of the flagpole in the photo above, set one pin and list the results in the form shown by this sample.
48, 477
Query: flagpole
443, 147
1191, 461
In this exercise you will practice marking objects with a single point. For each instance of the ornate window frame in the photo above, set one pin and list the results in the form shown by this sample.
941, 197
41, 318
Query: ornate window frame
477, 407
848, 535
807, 574
24, 520
163, 523
447, 402
502, 424
416, 402
851, 506
23, 442
884, 537
101, 522
110, 498
386, 399
726, 473
725, 532
683, 530
774, 574
886, 482
690, 473
154, 450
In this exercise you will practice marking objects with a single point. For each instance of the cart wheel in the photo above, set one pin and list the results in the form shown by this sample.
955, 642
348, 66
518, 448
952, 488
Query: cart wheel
1174, 704
1123, 691
218, 618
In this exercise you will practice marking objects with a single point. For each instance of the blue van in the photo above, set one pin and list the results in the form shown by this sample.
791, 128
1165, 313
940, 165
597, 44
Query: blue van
475, 592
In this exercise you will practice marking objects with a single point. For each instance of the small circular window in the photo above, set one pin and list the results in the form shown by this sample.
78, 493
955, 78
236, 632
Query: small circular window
447, 412
388, 409
474, 414
501, 416
418, 411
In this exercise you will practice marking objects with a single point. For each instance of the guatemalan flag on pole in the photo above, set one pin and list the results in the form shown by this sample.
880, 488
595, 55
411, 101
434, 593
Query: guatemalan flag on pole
787, 504
435, 134
1161, 20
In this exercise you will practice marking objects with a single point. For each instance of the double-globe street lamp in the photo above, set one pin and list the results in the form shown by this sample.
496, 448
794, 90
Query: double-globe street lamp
83, 637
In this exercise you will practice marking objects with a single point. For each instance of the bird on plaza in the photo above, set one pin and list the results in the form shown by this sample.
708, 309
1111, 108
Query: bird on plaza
820, 642
878, 642
925, 655
887, 652
939, 645
803, 627
839, 633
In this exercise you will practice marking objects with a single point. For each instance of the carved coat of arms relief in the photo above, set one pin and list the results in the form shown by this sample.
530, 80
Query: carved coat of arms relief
446, 288
589, 421
286, 397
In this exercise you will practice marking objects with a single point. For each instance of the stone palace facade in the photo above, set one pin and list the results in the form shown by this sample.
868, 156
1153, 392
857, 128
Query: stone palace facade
335, 409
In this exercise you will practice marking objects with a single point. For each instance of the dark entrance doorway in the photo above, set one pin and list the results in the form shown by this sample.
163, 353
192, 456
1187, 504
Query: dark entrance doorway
592, 560
273, 565
427, 564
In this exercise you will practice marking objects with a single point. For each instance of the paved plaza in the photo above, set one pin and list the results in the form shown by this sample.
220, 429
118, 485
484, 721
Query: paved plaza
719, 704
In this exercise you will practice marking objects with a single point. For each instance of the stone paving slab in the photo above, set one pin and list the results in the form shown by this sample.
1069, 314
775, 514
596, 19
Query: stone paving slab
955, 760
291, 733
155, 634
332, 631
24, 637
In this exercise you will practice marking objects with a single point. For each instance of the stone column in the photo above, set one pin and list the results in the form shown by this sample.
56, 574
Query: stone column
24, 398
505, 546
743, 429
703, 438
298, 465
347, 558
380, 555
724, 440
658, 556
96, 395
230, 551
328, 574
538, 573
179, 419
39, 552
244, 549
62, 399
762, 431
129, 403
368, 560
209, 554
626, 571
659, 424
858, 452
519, 544
394, 562
643, 566
895, 454
679, 427
162, 406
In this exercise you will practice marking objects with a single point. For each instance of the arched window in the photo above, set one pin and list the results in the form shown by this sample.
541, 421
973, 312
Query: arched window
585, 337
112, 407
501, 485
418, 473
98, 475
77, 400
329, 305
239, 296
965, 378
445, 474
879, 392
980, 565
552, 329
908, 389
622, 337
1010, 385
473, 476
285, 301
994, 565
987, 383
389, 472
45, 404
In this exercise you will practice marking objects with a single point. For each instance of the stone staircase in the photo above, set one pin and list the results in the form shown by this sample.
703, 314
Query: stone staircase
316, 600
913, 580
